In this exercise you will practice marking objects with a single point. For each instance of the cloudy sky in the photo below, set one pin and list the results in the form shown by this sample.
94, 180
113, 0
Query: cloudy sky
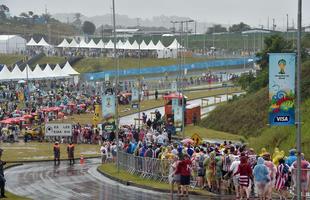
253, 12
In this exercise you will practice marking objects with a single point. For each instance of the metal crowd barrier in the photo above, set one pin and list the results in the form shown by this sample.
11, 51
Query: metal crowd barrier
148, 168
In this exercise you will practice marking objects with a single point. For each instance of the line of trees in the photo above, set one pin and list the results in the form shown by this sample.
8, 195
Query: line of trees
218, 28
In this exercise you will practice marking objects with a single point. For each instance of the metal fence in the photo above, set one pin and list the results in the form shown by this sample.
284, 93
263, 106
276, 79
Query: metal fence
148, 168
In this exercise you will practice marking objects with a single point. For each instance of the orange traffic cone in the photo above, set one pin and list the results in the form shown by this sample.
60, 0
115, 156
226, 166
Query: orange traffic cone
82, 161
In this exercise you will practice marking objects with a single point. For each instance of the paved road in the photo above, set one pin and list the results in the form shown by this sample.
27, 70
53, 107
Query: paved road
44, 181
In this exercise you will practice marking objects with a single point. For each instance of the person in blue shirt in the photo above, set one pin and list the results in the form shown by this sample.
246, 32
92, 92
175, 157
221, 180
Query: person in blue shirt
291, 158
261, 177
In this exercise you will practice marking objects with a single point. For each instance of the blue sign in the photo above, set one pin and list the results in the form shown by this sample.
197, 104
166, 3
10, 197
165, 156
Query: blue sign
282, 89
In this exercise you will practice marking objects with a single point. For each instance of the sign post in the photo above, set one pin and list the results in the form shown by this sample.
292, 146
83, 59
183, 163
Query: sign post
63, 130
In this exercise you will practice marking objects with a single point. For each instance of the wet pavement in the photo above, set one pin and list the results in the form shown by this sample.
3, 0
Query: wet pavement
45, 181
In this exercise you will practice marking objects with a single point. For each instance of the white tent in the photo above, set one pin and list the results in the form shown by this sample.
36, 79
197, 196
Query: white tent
43, 43
151, 46
17, 73
58, 72
92, 44
83, 44
31, 42
120, 45
160, 46
39, 73
73, 44
5, 74
109, 45
48, 71
27, 72
143, 45
127, 45
63, 44
135, 45
175, 45
100, 44
12, 44
67, 69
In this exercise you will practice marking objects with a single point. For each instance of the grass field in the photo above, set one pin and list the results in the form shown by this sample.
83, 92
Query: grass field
11, 196
211, 134
43, 151
103, 64
9, 59
123, 175
50, 60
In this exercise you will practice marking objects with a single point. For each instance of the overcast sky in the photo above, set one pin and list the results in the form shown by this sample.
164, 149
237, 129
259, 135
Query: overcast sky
253, 12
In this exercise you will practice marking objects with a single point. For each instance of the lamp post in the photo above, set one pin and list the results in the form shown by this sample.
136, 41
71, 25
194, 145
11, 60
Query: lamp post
244, 50
298, 115
116, 85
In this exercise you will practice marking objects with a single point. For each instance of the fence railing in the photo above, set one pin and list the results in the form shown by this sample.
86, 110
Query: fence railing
149, 168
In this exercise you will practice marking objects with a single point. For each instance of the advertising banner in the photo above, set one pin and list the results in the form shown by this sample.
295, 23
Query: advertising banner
282, 89
134, 94
177, 113
108, 112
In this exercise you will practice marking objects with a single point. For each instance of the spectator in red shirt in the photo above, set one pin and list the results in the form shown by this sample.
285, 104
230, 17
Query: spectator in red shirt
245, 172
185, 172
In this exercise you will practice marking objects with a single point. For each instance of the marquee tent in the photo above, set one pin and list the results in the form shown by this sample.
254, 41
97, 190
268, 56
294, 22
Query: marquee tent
67, 69
92, 44
73, 44
160, 46
151, 46
100, 44
43, 43
83, 44
58, 72
109, 45
64, 44
16, 73
143, 45
31, 42
5, 73
12, 44
135, 45
175, 45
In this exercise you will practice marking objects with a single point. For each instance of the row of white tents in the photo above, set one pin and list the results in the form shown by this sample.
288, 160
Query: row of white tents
110, 45
38, 74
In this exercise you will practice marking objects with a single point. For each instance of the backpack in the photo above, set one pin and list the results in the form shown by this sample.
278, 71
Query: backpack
103, 151
226, 163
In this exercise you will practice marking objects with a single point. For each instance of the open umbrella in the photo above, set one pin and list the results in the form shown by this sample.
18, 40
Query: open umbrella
187, 141
27, 116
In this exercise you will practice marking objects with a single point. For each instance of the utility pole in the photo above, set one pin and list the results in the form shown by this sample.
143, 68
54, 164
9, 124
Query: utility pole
298, 115
116, 85
287, 37
273, 24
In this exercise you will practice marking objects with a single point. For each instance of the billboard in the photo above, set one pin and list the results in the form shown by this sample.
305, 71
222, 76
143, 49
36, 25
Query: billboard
282, 89
109, 111
58, 129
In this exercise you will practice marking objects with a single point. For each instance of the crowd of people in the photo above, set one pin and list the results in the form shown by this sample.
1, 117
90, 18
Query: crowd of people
222, 168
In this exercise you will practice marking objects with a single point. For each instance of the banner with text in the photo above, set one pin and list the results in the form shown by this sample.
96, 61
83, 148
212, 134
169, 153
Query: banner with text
177, 113
108, 112
282, 89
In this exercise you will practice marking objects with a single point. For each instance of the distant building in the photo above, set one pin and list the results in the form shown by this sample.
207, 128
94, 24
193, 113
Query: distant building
12, 44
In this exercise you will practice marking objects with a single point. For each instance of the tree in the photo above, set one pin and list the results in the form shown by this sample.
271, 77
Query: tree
217, 28
88, 28
3, 10
47, 17
239, 27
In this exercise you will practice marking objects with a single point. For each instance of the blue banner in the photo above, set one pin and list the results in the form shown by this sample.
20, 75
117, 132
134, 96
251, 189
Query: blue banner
108, 111
282, 89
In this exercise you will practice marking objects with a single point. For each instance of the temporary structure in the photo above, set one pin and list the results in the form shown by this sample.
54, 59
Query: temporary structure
31, 42
39, 73
67, 69
109, 45
127, 45
73, 44
151, 46
64, 44
5, 74
135, 45
83, 44
143, 45
12, 44
92, 44
17, 73
175, 45
100, 45
120, 45
43, 43
58, 72
160, 46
